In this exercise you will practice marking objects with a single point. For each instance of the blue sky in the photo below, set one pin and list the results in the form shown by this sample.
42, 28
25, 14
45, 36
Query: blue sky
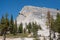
14, 6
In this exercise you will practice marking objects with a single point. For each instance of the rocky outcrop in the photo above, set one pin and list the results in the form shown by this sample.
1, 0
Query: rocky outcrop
30, 13
36, 14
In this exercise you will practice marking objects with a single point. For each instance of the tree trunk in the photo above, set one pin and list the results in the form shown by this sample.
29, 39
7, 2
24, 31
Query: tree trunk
54, 36
4, 36
50, 35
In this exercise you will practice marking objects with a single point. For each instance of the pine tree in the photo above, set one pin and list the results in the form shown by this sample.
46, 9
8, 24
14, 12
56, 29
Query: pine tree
53, 26
7, 20
29, 27
21, 28
6, 26
34, 29
15, 28
57, 25
2, 24
49, 22
11, 24
0, 27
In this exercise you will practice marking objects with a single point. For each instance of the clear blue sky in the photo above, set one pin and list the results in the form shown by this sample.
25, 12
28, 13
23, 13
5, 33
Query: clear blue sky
14, 6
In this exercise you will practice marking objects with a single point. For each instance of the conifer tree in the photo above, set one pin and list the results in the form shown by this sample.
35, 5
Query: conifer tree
49, 23
35, 28
11, 24
53, 26
6, 21
6, 26
0, 27
2, 24
15, 28
29, 27
57, 25
21, 28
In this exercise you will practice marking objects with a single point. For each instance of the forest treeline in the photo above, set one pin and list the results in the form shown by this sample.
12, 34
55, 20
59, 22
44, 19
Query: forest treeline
10, 26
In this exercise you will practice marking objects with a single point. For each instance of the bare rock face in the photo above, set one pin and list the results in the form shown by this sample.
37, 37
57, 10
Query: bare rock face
32, 13
35, 14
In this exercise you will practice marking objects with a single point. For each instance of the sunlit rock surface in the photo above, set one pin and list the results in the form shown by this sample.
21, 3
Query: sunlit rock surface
36, 14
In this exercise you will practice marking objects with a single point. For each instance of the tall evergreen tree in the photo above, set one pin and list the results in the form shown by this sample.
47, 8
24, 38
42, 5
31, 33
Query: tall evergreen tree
49, 23
53, 26
21, 28
57, 25
35, 28
11, 24
0, 26
4, 24
29, 27
15, 28
6, 20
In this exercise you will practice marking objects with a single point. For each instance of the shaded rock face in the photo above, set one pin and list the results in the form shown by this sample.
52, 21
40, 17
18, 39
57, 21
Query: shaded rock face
36, 14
